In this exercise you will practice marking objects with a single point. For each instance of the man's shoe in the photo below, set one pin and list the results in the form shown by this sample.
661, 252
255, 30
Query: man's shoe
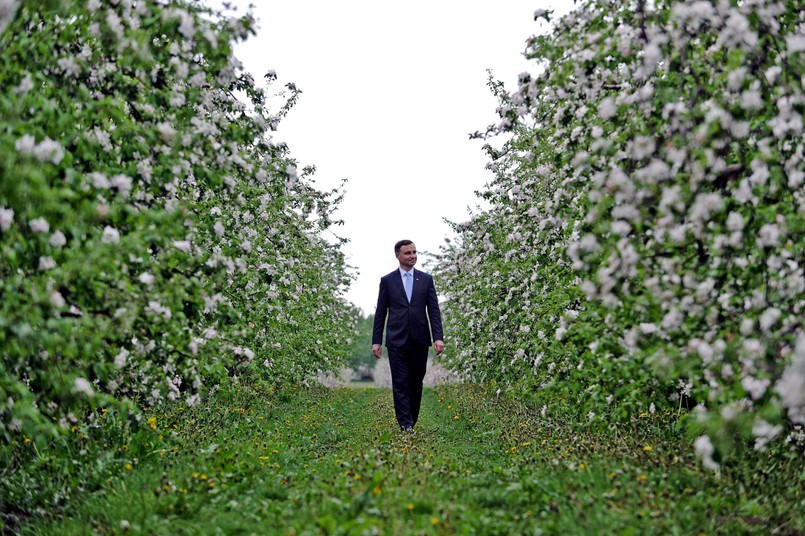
408, 430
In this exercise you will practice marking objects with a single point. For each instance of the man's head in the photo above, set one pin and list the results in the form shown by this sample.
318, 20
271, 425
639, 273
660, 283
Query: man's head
405, 250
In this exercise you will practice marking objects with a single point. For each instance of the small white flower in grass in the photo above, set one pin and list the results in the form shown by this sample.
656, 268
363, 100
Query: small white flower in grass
795, 43
182, 245
769, 235
16, 424
25, 144
69, 66
122, 183
647, 328
735, 221
6, 218
673, 319
160, 309
589, 289
49, 151
121, 357
83, 386
621, 228
607, 108
110, 235
751, 100
39, 225
146, 279
58, 239
764, 433
26, 85
705, 205
46, 263
705, 450
768, 318
755, 387
166, 131
791, 385
114, 24
219, 229
94, 5
99, 180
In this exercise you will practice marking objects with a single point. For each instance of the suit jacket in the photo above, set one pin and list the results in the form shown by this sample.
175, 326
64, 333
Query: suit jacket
407, 321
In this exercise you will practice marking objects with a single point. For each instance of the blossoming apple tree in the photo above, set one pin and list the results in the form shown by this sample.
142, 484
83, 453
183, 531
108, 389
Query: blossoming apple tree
645, 242
154, 238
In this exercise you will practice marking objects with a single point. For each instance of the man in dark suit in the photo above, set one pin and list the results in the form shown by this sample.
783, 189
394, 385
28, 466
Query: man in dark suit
407, 297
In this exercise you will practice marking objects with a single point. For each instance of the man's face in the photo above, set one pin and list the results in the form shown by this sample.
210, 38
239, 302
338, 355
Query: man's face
407, 256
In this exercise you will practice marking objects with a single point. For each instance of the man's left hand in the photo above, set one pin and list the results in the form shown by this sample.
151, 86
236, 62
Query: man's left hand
438, 346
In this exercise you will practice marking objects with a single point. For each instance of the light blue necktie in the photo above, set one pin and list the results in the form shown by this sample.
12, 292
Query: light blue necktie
409, 281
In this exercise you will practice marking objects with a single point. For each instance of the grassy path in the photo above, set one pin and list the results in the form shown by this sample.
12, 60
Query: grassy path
333, 462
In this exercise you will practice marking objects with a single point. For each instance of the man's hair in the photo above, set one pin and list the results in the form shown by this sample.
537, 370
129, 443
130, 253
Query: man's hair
400, 244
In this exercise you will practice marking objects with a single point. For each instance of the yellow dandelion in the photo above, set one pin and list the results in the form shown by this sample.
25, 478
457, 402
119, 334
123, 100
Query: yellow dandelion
129, 467
642, 478
434, 521
376, 490
647, 448
410, 506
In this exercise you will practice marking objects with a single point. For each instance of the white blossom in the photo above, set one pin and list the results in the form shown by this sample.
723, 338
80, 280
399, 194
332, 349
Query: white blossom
110, 235
26, 85
120, 358
6, 218
182, 245
705, 450
122, 183
83, 386
791, 385
768, 318
607, 109
39, 225
46, 263
58, 239
769, 235
49, 151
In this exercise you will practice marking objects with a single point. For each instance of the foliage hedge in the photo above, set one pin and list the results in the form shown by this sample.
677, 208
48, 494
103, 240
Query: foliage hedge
643, 249
155, 241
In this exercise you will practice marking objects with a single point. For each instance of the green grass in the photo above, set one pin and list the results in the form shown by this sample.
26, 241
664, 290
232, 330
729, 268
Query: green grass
333, 462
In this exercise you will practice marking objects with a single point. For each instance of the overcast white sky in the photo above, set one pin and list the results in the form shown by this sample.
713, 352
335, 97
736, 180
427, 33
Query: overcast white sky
390, 93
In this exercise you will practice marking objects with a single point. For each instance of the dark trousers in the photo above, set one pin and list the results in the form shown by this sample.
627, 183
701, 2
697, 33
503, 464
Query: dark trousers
407, 372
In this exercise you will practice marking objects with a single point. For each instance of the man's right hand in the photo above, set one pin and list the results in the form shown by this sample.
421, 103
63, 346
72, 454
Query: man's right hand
377, 350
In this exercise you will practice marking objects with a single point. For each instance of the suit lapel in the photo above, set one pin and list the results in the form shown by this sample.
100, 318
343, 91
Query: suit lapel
397, 279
